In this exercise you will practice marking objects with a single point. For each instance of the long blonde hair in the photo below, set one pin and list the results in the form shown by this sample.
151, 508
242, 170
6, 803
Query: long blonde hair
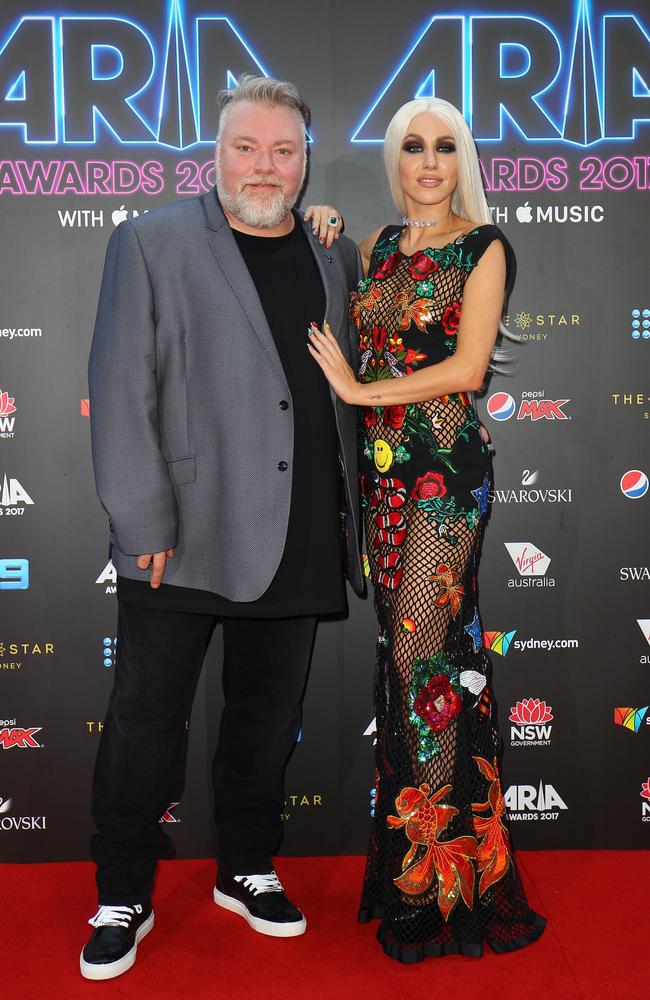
468, 200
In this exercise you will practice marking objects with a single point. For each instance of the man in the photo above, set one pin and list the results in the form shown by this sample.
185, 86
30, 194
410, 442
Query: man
222, 459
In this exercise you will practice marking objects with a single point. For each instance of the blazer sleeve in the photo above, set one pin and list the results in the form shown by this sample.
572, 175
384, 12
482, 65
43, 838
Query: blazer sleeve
131, 474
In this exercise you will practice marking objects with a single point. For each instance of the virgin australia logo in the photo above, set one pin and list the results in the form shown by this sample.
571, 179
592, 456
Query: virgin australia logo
531, 564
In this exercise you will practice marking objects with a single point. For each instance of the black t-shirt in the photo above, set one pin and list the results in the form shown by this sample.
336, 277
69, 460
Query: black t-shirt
309, 579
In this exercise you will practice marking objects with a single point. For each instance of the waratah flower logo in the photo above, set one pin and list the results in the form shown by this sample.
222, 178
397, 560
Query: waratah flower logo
645, 790
531, 710
6, 404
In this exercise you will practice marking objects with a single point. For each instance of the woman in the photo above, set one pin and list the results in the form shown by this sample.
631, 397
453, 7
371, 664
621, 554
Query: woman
440, 873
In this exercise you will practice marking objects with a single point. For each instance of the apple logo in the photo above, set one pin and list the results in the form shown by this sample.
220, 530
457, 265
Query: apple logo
524, 213
120, 214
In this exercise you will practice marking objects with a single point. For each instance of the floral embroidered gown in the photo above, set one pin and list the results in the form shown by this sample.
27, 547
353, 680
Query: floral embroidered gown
440, 873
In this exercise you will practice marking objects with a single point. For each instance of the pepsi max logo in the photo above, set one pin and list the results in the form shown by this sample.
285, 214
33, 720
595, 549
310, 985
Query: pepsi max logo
634, 484
501, 406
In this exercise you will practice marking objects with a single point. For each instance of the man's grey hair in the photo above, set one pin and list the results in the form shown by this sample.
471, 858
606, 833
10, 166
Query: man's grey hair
262, 90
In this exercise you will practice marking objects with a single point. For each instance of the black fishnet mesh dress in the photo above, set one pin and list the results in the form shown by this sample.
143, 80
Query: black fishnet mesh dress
440, 873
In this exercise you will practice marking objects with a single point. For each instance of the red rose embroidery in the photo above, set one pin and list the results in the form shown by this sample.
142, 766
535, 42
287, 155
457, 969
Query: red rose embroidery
432, 484
394, 416
451, 319
420, 265
388, 267
437, 703
369, 416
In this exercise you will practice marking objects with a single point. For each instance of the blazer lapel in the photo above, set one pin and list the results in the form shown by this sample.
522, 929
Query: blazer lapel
229, 259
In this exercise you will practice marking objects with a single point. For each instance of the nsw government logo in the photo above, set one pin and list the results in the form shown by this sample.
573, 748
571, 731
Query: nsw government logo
645, 805
531, 717
531, 564
534, 406
7, 410
527, 802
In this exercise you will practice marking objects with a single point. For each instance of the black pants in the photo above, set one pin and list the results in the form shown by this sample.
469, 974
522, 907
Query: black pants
141, 758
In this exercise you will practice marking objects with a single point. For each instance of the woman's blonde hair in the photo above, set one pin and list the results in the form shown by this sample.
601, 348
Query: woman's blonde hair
468, 200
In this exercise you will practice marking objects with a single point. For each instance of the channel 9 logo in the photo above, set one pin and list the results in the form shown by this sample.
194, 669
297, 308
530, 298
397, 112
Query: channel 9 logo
14, 574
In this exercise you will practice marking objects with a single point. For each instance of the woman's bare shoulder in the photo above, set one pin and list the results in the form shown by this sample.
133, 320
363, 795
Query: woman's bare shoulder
366, 247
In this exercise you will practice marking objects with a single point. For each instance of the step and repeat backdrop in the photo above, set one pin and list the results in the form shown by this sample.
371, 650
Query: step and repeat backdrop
107, 111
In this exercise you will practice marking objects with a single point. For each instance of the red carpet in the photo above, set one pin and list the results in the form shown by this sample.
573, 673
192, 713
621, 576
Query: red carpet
595, 946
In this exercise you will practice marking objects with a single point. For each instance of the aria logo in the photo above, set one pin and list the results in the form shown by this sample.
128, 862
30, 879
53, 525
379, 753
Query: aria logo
372, 731
526, 802
7, 408
11, 495
645, 806
531, 716
527, 495
18, 822
631, 718
534, 406
531, 565
108, 577
13, 737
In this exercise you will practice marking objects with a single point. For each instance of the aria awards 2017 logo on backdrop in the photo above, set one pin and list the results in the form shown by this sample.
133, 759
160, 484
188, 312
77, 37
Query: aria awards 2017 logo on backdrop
14, 498
77, 80
108, 578
533, 802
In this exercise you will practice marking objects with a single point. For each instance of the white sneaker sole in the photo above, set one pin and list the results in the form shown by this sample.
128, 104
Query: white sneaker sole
269, 927
109, 970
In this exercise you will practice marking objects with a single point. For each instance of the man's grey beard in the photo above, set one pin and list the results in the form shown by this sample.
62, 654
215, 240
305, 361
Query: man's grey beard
265, 212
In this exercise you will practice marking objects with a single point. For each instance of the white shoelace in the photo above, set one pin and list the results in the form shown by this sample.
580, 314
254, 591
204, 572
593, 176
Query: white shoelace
261, 883
114, 916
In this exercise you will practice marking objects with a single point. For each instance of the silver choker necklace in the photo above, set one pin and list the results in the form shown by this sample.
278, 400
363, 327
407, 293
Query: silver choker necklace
420, 223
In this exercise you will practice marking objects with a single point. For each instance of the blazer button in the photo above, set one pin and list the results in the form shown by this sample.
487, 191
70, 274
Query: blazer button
283, 404
282, 466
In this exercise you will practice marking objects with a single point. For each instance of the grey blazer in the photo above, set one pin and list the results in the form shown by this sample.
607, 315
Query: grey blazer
189, 440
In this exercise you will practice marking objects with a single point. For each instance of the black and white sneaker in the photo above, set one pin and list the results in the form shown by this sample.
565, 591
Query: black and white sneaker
114, 943
261, 901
